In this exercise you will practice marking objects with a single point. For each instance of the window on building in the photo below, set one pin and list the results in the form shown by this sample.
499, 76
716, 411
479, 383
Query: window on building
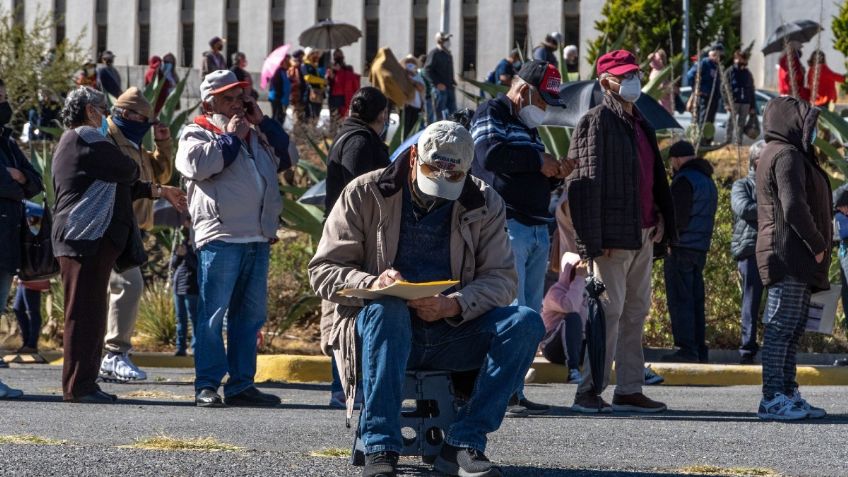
469, 45
519, 32
324, 9
232, 40
278, 4
419, 36
232, 4
188, 4
278, 33
143, 44
188, 44
372, 40
101, 12
102, 33
101, 6
59, 8
571, 35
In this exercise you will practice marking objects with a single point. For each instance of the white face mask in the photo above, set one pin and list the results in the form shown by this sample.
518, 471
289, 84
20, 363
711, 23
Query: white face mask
630, 89
531, 115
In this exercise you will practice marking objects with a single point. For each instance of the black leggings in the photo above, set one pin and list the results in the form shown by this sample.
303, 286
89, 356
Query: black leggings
565, 339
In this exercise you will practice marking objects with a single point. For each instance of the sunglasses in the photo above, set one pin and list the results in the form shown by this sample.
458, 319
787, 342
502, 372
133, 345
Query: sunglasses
432, 172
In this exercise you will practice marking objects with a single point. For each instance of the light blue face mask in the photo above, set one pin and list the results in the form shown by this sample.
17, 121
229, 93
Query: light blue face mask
104, 126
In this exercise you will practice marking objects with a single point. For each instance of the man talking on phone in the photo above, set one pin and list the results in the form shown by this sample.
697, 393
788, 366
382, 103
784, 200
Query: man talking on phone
425, 218
230, 161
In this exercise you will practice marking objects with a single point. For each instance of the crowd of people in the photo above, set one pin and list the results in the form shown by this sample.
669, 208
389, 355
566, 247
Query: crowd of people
470, 199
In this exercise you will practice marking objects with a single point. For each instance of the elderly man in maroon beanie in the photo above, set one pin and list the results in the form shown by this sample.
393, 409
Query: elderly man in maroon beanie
621, 206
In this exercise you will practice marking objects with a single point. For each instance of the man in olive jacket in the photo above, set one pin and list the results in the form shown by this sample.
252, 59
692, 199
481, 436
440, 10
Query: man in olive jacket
423, 219
621, 207
794, 207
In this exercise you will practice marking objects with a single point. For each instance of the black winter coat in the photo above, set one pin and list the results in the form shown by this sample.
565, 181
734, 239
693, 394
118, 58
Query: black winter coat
11, 196
794, 202
603, 192
356, 150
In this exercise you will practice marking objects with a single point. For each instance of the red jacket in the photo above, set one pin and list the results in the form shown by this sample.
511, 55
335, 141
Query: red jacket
828, 79
784, 85
344, 83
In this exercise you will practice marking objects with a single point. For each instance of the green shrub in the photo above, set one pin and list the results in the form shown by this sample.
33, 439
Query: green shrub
290, 298
157, 321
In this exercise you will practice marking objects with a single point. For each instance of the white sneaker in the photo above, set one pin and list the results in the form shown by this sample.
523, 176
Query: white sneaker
119, 367
780, 408
812, 411
9, 393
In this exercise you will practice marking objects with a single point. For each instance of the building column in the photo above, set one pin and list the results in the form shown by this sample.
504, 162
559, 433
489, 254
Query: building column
590, 11
396, 27
494, 36
210, 20
80, 22
35, 9
255, 32
353, 12
300, 15
165, 29
122, 34
543, 17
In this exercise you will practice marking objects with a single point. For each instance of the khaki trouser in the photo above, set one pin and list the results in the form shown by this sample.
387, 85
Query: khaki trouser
627, 302
125, 291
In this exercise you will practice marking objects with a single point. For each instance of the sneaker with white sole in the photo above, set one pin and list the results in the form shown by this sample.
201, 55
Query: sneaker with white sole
118, 367
9, 393
812, 411
780, 408
574, 376
652, 378
530, 376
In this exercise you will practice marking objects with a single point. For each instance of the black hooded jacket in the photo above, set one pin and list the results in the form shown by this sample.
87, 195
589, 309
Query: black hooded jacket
794, 200
357, 149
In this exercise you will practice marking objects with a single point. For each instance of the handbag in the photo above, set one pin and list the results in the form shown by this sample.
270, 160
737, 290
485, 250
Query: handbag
752, 126
37, 260
133, 254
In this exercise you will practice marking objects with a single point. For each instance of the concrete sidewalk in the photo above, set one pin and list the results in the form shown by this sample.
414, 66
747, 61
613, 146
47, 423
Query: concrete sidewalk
303, 369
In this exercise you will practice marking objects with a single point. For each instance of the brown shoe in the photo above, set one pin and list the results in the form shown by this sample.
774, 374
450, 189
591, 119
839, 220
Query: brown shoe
589, 403
636, 402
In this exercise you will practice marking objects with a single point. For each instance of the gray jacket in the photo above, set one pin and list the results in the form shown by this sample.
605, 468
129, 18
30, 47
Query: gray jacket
225, 200
743, 201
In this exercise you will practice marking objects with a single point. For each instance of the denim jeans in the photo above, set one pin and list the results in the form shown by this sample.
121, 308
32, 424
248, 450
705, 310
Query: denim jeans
500, 343
185, 307
787, 308
5, 284
684, 284
445, 102
233, 279
531, 245
843, 266
752, 296
27, 307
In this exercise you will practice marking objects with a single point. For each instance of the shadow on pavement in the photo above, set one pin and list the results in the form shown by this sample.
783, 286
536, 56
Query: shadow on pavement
688, 415
528, 471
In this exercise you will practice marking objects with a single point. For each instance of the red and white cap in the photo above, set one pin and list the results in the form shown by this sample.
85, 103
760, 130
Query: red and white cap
219, 81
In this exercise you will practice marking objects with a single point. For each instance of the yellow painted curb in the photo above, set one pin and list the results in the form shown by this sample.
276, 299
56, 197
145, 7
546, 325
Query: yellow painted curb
708, 374
293, 368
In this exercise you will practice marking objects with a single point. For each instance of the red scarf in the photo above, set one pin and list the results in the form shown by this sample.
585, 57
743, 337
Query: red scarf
203, 121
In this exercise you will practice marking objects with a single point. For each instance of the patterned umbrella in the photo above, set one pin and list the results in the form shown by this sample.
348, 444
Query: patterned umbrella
327, 35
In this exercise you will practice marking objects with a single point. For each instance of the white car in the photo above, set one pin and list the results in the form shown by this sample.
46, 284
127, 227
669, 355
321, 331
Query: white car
722, 119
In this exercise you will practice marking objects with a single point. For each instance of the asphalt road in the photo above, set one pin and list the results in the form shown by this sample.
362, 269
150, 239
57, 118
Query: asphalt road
705, 427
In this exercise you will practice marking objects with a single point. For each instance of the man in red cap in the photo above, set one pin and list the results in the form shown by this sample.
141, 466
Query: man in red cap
621, 206
230, 157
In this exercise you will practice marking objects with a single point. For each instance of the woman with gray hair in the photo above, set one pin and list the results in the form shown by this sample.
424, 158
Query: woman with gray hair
743, 201
94, 229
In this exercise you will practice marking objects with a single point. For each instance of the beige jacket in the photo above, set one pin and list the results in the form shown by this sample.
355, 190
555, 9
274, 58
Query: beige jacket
360, 241
156, 167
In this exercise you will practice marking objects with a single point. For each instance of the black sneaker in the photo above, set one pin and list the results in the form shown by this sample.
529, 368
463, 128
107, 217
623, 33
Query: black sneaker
465, 462
380, 464
252, 397
530, 407
841, 362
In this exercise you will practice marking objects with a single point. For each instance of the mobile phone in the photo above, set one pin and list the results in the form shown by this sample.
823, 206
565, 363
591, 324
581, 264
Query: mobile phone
249, 107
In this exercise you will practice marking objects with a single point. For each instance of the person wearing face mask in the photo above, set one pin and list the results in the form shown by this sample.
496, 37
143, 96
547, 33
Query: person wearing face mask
132, 117
794, 206
163, 70
424, 218
695, 202
342, 83
230, 159
572, 59
108, 78
94, 229
239, 65
545, 50
511, 158
213, 60
438, 69
412, 108
709, 86
621, 207
744, 96
18, 181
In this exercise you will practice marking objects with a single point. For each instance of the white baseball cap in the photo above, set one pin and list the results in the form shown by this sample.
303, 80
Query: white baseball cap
446, 150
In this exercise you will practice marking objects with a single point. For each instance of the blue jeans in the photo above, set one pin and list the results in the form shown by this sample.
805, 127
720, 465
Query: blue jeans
752, 296
531, 245
684, 284
5, 285
27, 306
185, 307
500, 343
445, 102
233, 279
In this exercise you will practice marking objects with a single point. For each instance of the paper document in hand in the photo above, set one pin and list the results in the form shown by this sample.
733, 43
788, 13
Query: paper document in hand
402, 289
